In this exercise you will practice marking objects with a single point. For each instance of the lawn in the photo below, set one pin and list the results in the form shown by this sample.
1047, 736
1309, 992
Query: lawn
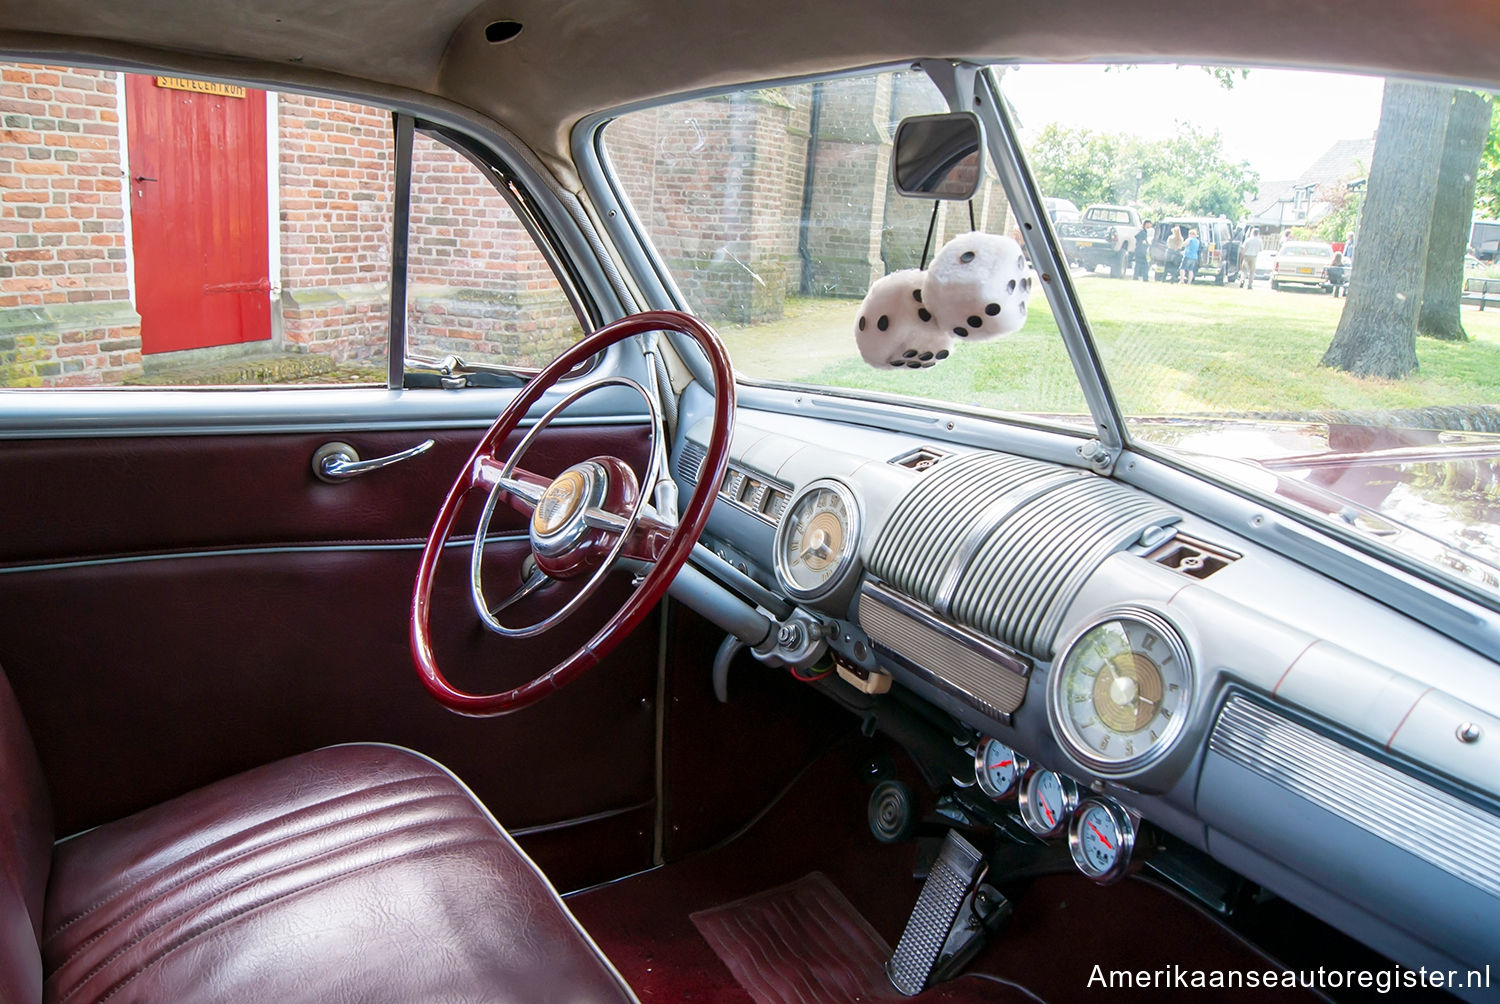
1168, 349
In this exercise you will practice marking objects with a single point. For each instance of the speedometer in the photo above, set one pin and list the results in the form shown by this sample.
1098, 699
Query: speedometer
817, 540
1119, 695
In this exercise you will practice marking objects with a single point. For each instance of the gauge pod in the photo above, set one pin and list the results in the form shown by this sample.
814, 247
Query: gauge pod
817, 539
1046, 801
1120, 694
1101, 839
998, 769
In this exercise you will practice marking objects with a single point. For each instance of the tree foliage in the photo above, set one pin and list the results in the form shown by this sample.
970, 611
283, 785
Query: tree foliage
1187, 174
1487, 187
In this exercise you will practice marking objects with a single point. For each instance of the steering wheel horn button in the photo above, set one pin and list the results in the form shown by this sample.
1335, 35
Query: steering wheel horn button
558, 523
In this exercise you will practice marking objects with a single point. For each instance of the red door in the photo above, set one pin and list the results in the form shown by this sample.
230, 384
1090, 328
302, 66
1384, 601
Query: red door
198, 212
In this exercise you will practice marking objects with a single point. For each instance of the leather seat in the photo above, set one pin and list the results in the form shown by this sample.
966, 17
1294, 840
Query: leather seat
357, 872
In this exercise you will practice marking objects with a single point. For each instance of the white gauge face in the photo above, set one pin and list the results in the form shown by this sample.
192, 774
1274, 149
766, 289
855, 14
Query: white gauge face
1047, 799
1121, 691
1101, 839
816, 540
997, 768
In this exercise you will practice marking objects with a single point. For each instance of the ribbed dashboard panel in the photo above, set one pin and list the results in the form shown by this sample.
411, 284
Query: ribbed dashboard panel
1003, 544
927, 529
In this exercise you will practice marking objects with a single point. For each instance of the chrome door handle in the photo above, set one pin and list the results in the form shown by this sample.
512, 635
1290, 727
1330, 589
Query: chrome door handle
335, 462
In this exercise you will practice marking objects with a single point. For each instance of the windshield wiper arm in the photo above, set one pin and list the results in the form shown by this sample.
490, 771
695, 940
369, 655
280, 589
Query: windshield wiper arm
453, 373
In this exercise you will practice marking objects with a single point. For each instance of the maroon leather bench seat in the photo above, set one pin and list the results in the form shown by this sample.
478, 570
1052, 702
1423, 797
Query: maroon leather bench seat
358, 872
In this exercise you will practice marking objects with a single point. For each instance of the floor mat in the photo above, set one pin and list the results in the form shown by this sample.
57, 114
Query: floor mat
801, 943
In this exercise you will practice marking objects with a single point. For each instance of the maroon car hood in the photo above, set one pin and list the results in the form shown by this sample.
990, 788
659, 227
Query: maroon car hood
1434, 495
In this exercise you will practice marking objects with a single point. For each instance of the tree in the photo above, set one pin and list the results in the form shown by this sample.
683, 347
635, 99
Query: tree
1344, 206
1487, 187
1074, 164
1376, 335
1452, 213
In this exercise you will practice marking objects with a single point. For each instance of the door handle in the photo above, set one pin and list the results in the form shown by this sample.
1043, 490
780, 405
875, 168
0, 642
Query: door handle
336, 462
142, 177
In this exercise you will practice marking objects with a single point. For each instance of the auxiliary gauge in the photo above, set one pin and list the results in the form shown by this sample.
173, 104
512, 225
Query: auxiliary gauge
1047, 799
1101, 838
998, 768
817, 539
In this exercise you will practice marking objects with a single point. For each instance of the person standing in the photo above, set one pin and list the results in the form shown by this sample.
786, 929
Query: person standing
1249, 251
1143, 252
1190, 254
1174, 253
1338, 275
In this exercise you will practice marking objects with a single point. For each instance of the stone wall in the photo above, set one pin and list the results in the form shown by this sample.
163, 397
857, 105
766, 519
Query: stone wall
65, 313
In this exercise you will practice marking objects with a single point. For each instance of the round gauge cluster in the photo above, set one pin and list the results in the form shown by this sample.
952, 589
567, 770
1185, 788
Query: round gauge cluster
817, 539
1119, 695
1101, 838
1047, 799
998, 769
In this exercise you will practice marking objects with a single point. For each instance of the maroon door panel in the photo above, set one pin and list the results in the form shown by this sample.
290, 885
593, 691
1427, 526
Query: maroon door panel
146, 677
198, 222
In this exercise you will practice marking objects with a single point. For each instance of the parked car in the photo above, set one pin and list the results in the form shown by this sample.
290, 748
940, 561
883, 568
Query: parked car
403, 392
1219, 259
1061, 210
1302, 263
1103, 235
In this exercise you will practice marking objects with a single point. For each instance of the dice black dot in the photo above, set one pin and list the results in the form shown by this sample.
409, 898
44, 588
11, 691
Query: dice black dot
925, 356
861, 324
992, 309
961, 332
898, 362
927, 366
883, 323
909, 353
966, 257
924, 315
976, 321
1021, 263
942, 354
913, 364
1010, 287
916, 294
1026, 282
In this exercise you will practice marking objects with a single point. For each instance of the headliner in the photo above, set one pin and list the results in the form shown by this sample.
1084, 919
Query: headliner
576, 57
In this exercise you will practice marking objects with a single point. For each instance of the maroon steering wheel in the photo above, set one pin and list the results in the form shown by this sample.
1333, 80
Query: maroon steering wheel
581, 523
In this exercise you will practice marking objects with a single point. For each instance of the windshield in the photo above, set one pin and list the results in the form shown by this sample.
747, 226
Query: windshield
774, 211
1296, 277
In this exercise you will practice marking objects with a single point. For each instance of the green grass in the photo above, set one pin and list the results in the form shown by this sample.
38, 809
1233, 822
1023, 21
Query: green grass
1168, 350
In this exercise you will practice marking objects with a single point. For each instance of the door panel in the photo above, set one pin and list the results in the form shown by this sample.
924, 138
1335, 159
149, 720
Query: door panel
176, 609
198, 213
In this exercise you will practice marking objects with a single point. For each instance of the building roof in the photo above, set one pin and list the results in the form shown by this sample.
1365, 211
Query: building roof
1345, 160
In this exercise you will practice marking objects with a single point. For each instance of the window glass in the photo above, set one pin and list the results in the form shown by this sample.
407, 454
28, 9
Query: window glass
478, 288
1311, 312
166, 231
774, 210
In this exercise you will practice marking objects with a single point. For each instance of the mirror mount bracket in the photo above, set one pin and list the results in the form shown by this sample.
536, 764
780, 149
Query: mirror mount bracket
955, 81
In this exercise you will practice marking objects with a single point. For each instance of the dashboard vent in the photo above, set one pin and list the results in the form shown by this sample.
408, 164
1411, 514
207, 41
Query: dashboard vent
1002, 544
920, 459
1192, 557
690, 460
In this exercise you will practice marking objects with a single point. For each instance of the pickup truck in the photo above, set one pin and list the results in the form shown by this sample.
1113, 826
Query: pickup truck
1104, 235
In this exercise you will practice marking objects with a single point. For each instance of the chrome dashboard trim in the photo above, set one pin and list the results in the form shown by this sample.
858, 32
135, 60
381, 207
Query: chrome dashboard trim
976, 670
1425, 821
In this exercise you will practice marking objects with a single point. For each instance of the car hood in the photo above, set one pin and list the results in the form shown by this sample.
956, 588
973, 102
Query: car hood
1432, 495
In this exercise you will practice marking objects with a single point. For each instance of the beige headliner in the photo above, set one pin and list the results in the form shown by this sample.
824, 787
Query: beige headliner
575, 57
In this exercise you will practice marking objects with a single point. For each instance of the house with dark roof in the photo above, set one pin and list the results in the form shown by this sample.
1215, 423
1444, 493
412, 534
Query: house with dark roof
1302, 201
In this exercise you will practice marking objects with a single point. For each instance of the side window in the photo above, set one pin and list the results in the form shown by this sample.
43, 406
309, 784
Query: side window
166, 231
478, 288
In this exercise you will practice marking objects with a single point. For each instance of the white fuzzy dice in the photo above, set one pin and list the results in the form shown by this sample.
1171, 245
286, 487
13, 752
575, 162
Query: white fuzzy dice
895, 329
977, 287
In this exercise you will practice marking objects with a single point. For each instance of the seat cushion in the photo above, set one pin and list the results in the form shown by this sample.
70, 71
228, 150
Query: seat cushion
359, 873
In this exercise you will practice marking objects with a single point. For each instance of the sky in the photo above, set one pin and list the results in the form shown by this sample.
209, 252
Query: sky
1278, 120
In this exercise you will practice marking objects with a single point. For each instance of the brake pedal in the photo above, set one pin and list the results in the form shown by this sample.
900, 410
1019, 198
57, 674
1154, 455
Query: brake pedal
948, 926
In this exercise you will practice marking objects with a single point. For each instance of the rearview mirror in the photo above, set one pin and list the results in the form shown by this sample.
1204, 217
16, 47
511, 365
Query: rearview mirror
938, 156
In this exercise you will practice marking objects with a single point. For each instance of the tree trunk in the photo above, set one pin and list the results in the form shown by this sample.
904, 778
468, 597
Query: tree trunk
1377, 334
1448, 238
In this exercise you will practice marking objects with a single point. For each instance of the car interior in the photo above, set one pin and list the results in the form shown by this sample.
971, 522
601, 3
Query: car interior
504, 590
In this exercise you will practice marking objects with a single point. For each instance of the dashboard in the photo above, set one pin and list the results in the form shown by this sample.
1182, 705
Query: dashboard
1112, 661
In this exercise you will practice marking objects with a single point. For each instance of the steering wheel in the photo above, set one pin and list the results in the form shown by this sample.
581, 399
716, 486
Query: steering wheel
588, 520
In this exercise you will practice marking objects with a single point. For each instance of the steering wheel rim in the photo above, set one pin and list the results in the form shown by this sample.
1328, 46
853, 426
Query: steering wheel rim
665, 547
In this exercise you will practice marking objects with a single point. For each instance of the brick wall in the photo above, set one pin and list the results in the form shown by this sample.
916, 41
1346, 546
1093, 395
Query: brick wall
65, 313
335, 192
479, 288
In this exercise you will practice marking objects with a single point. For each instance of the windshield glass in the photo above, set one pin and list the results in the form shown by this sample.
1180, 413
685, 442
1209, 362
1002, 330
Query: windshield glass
1304, 307
774, 211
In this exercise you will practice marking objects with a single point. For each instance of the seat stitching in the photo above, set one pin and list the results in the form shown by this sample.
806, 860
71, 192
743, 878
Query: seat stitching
147, 878
292, 865
158, 896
